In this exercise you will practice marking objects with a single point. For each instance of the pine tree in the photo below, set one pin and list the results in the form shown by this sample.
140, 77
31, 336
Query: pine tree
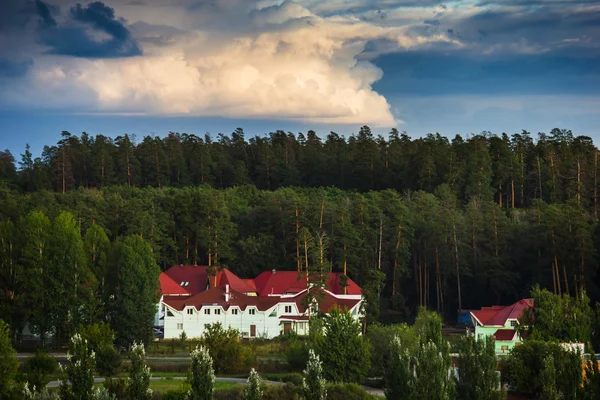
313, 383
201, 377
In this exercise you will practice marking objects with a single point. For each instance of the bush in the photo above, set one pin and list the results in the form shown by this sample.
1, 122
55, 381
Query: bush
226, 349
348, 391
282, 392
381, 337
296, 354
101, 340
233, 393
175, 394
38, 368
294, 378
117, 387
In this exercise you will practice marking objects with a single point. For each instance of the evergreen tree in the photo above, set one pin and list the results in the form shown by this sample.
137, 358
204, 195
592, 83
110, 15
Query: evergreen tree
313, 383
253, 390
201, 376
138, 384
78, 376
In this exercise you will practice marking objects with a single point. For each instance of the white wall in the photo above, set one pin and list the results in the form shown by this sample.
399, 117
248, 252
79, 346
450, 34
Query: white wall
267, 323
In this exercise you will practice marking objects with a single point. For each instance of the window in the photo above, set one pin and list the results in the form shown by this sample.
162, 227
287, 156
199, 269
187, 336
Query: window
288, 309
234, 311
504, 348
179, 326
514, 323
190, 311
217, 311
169, 313
207, 311
252, 311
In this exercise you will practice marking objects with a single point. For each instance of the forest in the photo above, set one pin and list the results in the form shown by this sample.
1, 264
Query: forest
444, 223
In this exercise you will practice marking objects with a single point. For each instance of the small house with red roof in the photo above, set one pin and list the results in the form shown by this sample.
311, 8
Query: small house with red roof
500, 322
273, 303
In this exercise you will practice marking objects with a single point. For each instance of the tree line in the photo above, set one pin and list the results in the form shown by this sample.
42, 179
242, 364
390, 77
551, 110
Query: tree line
447, 224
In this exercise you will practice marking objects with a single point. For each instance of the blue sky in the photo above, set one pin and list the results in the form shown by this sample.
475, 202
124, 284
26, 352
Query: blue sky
154, 66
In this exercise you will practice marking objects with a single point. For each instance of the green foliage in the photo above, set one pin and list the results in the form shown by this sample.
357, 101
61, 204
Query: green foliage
30, 393
225, 348
591, 379
526, 376
477, 377
38, 369
296, 354
134, 284
138, 384
559, 318
117, 387
8, 360
421, 370
313, 385
381, 338
201, 377
79, 370
101, 340
345, 353
252, 390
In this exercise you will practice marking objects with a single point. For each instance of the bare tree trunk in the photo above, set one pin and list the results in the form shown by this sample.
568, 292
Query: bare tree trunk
556, 264
457, 270
512, 184
578, 181
380, 240
566, 280
299, 265
540, 177
596, 185
437, 277
322, 211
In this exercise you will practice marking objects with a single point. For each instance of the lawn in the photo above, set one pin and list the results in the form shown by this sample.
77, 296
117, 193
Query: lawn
166, 384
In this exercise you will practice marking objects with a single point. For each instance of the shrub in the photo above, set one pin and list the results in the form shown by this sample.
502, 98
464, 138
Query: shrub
282, 392
101, 340
175, 394
380, 338
226, 350
117, 387
38, 368
296, 354
294, 378
233, 393
8, 361
347, 391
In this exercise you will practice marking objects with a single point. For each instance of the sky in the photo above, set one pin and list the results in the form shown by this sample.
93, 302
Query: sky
209, 66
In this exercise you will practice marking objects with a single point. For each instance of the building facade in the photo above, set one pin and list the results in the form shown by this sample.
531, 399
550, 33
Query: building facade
274, 303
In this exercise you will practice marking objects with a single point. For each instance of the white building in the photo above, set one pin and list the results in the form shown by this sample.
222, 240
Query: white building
274, 303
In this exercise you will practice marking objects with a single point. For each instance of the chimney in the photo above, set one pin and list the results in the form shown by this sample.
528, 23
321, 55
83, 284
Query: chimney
227, 293
273, 271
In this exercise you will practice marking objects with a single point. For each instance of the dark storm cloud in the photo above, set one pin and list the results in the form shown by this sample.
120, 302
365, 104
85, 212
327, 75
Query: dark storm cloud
108, 38
14, 69
466, 72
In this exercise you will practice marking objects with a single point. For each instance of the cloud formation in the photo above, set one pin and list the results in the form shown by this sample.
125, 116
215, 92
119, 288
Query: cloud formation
309, 60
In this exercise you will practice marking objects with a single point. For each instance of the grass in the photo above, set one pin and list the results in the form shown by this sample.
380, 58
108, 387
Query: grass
164, 385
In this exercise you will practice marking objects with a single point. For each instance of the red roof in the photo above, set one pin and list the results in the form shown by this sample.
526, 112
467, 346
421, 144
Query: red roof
195, 275
227, 277
504, 334
498, 315
169, 287
289, 282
